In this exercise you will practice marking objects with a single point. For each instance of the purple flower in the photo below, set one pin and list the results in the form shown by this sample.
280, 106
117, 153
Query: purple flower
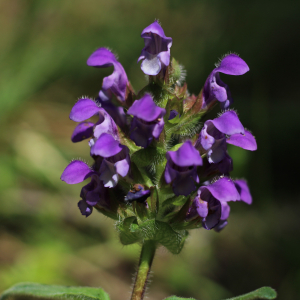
114, 159
148, 121
94, 193
138, 193
225, 129
215, 88
211, 202
181, 169
76, 172
156, 53
245, 196
116, 83
85, 109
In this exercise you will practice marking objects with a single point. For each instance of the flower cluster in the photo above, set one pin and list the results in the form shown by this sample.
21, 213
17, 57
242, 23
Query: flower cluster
153, 157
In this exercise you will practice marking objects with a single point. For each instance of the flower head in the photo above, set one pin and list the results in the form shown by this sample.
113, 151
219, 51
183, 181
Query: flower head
215, 88
156, 53
147, 170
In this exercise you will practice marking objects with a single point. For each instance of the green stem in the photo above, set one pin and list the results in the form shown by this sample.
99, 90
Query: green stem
147, 255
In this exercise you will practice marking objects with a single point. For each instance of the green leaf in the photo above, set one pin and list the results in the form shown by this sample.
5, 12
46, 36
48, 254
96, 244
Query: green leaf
141, 211
175, 200
129, 231
178, 298
152, 158
140, 175
177, 72
43, 291
132, 232
262, 293
164, 193
153, 202
189, 124
176, 147
158, 92
163, 233
149, 156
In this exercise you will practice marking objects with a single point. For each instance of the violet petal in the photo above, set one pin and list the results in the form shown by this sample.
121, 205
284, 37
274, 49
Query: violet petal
223, 190
105, 125
77, 171
217, 151
108, 174
225, 210
122, 166
246, 141
206, 140
83, 110
106, 146
202, 207
85, 209
213, 217
146, 109
82, 131
185, 156
183, 185
221, 225
243, 189
228, 123
232, 64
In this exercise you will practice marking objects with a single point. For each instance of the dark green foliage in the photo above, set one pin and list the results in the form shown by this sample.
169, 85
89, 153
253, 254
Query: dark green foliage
131, 232
44, 292
262, 293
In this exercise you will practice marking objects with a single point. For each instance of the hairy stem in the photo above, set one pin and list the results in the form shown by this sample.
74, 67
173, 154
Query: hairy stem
147, 255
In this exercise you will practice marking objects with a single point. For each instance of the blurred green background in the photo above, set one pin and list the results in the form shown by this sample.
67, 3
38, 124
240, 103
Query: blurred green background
44, 46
